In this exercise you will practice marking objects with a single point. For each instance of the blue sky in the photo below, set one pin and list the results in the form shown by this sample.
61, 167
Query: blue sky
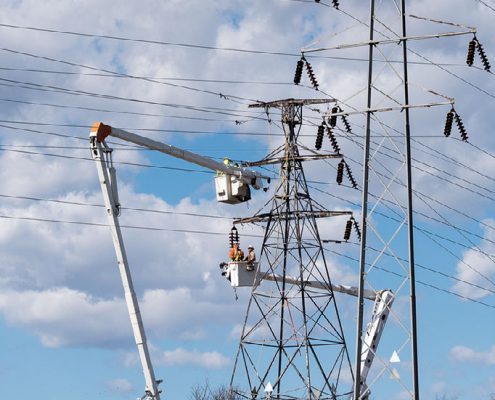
64, 326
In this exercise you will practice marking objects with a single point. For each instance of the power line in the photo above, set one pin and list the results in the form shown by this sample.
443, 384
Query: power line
132, 164
205, 47
58, 89
149, 41
77, 203
429, 269
87, 127
202, 232
96, 224
418, 281
486, 4
189, 170
176, 79
146, 79
115, 162
441, 273
427, 233
126, 148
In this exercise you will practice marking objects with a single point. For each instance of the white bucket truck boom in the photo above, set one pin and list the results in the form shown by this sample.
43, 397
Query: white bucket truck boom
232, 186
240, 276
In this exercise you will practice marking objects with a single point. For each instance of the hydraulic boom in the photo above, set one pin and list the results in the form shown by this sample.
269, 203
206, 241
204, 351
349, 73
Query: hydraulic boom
232, 184
239, 276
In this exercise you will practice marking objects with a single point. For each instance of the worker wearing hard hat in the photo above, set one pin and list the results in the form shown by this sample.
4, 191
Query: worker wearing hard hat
236, 254
250, 258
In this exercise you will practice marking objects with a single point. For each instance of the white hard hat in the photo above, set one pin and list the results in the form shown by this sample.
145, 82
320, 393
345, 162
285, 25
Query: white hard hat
250, 246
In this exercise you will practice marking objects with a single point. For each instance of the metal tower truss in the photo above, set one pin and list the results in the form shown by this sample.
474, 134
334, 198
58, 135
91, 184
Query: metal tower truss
292, 344
387, 243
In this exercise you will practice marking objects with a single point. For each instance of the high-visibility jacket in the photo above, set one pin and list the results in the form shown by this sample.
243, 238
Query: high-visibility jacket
236, 255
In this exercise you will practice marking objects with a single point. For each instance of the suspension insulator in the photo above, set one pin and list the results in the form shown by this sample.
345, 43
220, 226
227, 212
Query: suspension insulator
461, 127
233, 236
333, 118
348, 227
350, 176
311, 75
448, 123
356, 229
335, 4
471, 50
340, 172
333, 140
346, 124
319, 137
484, 58
298, 73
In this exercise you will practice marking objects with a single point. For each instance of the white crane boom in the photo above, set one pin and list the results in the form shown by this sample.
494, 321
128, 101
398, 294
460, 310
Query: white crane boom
247, 176
240, 276
106, 174
232, 184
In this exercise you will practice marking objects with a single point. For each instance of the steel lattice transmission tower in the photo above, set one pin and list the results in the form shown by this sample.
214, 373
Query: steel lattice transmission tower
387, 245
387, 252
292, 344
386, 363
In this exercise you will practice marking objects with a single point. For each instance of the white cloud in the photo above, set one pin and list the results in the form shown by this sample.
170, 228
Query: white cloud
181, 357
61, 281
469, 355
66, 317
477, 266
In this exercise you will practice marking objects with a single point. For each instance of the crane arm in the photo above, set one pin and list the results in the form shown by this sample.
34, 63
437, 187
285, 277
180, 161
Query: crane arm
102, 155
239, 276
232, 185
247, 176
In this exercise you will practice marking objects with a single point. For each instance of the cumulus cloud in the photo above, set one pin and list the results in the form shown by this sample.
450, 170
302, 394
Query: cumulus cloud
470, 355
477, 267
60, 281
181, 357
65, 317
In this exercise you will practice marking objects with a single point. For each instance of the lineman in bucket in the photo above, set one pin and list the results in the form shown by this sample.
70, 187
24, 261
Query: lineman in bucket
250, 258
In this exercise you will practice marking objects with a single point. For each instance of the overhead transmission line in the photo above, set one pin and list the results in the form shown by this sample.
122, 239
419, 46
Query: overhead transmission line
147, 228
141, 78
124, 148
430, 235
136, 164
174, 79
58, 89
484, 3
427, 60
418, 281
132, 164
157, 130
159, 167
422, 198
78, 203
352, 138
149, 41
197, 46
428, 172
438, 272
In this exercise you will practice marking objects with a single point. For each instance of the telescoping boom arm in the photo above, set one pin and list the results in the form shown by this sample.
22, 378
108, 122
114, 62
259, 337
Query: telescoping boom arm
239, 276
232, 186
232, 182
